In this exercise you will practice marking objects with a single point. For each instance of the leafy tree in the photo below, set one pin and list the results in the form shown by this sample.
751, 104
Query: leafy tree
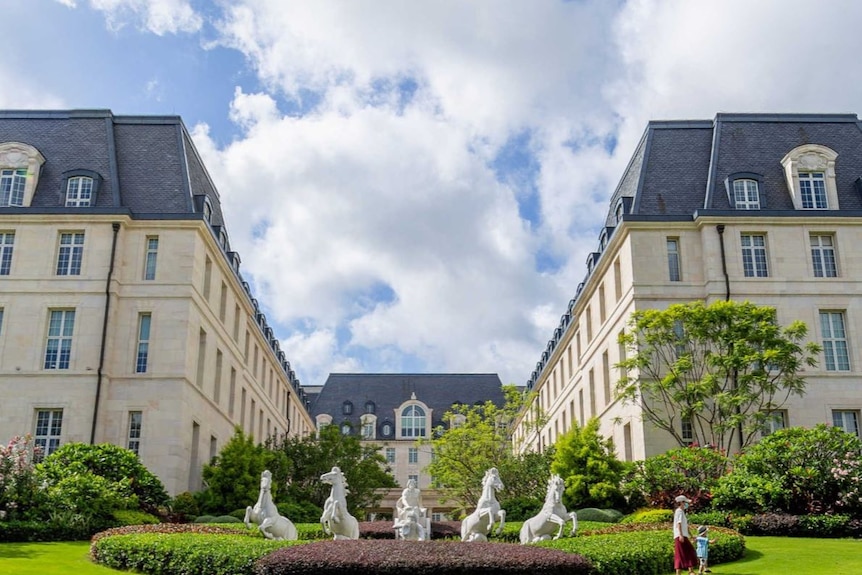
691, 471
233, 477
478, 438
130, 483
19, 487
797, 471
722, 367
307, 458
590, 468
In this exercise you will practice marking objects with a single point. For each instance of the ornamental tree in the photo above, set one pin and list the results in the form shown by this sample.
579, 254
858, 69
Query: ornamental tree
721, 369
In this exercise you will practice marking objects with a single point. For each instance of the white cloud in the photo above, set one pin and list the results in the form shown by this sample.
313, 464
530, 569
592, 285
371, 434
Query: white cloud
157, 16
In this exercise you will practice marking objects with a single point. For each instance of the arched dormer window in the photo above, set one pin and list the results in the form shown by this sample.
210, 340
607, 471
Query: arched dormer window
387, 429
346, 428
347, 408
323, 420
369, 425
20, 165
370, 407
204, 206
744, 191
413, 421
810, 174
81, 188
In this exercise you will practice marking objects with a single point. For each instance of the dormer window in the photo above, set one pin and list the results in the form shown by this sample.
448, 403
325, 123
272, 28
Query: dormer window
810, 173
743, 191
79, 191
20, 165
347, 408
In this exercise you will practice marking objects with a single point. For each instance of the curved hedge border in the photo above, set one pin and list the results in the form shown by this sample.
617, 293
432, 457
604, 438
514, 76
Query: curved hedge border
643, 549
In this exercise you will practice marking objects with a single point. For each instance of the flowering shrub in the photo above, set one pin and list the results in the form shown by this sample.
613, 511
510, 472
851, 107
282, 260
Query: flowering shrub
19, 491
798, 471
692, 471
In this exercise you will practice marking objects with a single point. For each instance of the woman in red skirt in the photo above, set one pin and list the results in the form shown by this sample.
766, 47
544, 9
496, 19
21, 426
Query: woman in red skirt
684, 556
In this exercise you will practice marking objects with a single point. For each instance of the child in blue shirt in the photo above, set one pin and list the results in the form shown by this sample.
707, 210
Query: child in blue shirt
701, 547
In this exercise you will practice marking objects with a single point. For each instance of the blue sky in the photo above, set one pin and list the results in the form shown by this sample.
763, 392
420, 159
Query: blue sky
414, 186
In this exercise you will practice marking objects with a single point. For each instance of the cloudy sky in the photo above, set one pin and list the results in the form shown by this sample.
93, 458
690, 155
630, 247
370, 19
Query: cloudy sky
415, 185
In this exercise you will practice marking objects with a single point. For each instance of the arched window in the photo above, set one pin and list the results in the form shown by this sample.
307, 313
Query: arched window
346, 428
369, 407
413, 421
346, 408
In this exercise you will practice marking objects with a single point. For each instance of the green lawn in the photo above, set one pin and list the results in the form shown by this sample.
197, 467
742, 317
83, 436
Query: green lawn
764, 555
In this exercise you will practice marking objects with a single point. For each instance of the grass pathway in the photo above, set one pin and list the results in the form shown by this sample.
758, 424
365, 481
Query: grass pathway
764, 555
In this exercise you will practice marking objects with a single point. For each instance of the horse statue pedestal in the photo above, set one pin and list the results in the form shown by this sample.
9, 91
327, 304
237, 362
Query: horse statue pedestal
265, 514
551, 518
336, 520
477, 525
411, 519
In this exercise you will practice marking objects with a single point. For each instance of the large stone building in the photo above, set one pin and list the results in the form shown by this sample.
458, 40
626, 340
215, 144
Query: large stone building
764, 208
396, 411
123, 314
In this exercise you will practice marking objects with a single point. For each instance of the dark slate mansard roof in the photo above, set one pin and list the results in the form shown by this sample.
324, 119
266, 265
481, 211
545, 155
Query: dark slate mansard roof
389, 390
679, 168
149, 169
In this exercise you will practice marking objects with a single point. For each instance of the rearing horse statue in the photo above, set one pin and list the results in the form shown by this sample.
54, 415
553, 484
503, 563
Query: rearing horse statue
552, 517
477, 525
271, 523
336, 520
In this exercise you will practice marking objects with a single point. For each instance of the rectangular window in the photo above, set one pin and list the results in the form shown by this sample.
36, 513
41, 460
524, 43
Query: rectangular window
618, 280
7, 244
581, 406
390, 455
208, 276
686, 431
745, 195
602, 307
673, 267
812, 190
823, 255
414, 477
232, 393
136, 419
589, 317
79, 192
592, 380
236, 317
49, 425
217, 383
144, 320
70, 254
202, 354
627, 442
606, 376
58, 347
1, 320
222, 305
12, 183
848, 420
834, 341
774, 421
412, 455
754, 256
151, 257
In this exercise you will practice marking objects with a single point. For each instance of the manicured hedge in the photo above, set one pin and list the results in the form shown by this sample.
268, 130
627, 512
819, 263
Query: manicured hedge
437, 557
641, 549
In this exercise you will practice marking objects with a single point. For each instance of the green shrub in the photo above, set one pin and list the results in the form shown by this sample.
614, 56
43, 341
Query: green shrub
797, 471
715, 518
521, 508
205, 519
20, 492
649, 516
185, 506
181, 553
226, 519
299, 511
57, 529
600, 515
824, 525
133, 517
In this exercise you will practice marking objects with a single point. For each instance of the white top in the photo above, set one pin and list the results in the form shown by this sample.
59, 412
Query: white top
680, 523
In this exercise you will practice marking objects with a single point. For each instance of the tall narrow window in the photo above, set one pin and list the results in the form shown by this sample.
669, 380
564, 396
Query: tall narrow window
412, 455
79, 191
208, 276
136, 420
602, 307
413, 421
12, 184
754, 256
151, 257
627, 442
217, 383
236, 316
202, 354
144, 320
232, 393
834, 341
746, 195
7, 244
812, 190
673, 267
823, 255
1, 320
70, 254
588, 313
774, 421
606, 377
58, 347
49, 426
390, 455
592, 393
581, 406
686, 431
847, 420
618, 280
222, 304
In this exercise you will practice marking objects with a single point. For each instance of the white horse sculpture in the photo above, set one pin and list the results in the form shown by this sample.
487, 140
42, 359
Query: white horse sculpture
336, 520
411, 519
265, 514
552, 517
477, 525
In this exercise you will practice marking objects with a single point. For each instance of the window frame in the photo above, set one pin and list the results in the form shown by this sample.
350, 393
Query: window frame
771, 418
674, 258
413, 455
750, 253
70, 253
57, 361
832, 343
151, 257
26, 161
48, 441
821, 253
7, 251
389, 454
811, 196
807, 159
843, 412
417, 422
135, 432
142, 349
